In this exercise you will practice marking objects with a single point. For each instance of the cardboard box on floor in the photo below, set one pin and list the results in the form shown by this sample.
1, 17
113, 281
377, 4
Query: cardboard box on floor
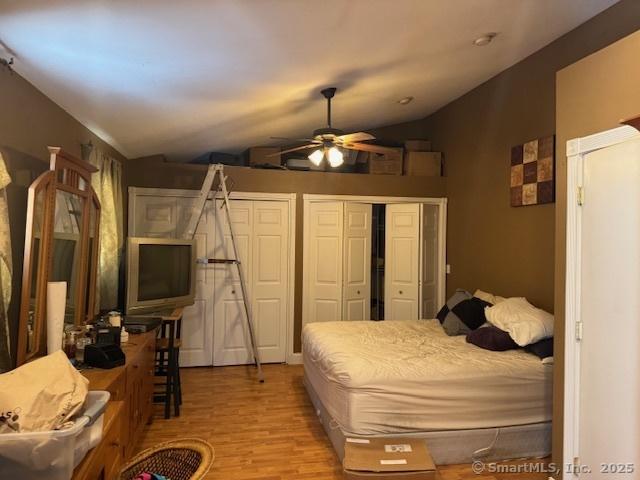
388, 459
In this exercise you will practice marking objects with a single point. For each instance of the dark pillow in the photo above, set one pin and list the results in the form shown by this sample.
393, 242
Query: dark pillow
462, 313
492, 338
543, 348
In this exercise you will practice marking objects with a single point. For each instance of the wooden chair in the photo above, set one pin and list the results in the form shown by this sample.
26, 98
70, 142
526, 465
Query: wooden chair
167, 363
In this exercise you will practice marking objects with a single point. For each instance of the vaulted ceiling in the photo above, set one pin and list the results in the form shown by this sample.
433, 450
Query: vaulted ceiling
185, 77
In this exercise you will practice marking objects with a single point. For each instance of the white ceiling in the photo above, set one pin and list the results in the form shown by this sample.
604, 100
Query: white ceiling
185, 77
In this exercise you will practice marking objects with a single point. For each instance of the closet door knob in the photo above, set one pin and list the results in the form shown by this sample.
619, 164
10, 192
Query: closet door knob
400, 292
233, 292
358, 292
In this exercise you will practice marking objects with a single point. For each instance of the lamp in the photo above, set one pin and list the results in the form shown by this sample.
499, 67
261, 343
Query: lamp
316, 157
335, 157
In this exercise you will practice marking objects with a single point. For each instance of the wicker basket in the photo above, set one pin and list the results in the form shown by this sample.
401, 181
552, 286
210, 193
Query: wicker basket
185, 459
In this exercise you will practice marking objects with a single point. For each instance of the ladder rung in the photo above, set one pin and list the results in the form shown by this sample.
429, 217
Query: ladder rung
218, 260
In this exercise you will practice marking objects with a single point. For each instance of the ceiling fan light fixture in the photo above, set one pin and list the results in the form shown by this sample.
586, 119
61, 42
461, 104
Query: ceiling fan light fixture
335, 157
316, 157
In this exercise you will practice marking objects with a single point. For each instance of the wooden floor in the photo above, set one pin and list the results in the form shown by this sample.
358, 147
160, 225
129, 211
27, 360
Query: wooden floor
263, 431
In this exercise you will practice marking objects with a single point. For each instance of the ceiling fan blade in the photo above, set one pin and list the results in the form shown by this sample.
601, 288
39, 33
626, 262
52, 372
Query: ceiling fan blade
355, 137
365, 147
294, 149
294, 139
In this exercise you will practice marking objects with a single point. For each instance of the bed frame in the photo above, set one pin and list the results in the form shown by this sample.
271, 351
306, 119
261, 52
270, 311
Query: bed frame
455, 446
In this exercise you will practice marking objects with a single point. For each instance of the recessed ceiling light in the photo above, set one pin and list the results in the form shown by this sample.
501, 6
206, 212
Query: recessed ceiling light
405, 100
485, 39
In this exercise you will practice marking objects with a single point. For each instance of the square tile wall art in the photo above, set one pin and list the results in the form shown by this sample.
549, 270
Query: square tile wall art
533, 172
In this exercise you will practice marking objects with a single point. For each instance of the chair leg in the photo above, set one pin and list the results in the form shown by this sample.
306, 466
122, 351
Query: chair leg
175, 383
178, 379
168, 387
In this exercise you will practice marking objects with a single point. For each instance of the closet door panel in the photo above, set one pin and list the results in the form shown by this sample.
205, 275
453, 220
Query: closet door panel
402, 260
324, 278
162, 216
155, 216
270, 282
230, 336
357, 261
429, 263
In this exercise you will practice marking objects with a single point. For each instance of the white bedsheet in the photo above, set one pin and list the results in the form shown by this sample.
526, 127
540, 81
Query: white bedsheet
404, 376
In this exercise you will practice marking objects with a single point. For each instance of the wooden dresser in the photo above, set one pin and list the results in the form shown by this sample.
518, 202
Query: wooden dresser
128, 411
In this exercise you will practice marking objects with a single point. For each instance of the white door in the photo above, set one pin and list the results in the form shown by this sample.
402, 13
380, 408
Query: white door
402, 261
270, 278
230, 336
357, 261
429, 262
158, 216
324, 262
609, 393
261, 230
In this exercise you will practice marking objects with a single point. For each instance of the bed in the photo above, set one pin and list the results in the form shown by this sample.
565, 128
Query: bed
408, 378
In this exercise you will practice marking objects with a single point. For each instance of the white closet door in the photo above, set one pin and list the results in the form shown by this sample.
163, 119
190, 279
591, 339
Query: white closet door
402, 261
270, 278
230, 336
324, 278
610, 307
429, 263
155, 216
357, 261
159, 216
197, 327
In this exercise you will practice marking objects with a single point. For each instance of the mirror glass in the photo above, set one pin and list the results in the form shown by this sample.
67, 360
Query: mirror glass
65, 254
38, 225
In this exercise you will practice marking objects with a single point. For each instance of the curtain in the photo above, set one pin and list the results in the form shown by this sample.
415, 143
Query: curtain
107, 183
6, 268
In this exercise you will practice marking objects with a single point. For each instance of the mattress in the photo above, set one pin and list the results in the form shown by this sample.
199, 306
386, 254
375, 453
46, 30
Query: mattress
408, 376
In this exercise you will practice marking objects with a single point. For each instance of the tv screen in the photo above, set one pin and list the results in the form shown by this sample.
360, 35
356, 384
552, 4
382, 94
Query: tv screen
164, 271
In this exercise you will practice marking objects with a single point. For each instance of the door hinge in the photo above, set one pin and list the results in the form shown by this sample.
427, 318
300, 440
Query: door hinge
579, 331
580, 196
576, 465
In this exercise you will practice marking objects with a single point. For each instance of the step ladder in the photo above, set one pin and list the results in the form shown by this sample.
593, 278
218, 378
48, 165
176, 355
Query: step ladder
217, 170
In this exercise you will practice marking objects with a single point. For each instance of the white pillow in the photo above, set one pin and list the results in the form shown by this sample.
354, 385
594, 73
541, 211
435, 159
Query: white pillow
488, 297
525, 323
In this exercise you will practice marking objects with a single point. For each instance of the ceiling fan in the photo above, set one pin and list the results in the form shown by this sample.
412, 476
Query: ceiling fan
329, 141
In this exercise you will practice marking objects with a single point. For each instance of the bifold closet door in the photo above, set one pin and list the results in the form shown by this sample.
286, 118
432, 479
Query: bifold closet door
162, 216
402, 261
324, 261
261, 230
430, 260
357, 261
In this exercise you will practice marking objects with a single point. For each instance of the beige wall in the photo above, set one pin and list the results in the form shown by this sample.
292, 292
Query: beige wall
29, 122
153, 172
592, 96
492, 246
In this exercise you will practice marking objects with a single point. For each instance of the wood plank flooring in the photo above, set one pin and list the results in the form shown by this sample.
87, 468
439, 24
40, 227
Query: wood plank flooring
264, 431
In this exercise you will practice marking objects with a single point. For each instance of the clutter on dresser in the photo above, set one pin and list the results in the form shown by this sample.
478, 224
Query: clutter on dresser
48, 419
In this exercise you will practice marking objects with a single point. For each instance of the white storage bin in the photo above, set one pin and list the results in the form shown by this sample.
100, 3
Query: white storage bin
54, 454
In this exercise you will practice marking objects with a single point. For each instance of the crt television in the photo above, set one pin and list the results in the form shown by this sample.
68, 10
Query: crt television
160, 274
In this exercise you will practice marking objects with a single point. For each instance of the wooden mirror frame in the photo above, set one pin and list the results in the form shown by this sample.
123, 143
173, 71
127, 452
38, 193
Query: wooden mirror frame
67, 174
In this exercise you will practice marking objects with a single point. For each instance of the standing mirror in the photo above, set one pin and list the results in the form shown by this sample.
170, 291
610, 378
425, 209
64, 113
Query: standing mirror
61, 245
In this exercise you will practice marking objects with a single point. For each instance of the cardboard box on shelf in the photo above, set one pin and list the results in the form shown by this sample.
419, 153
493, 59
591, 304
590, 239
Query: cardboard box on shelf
388, 459
417, 145
260, 156
423, 164
386, 163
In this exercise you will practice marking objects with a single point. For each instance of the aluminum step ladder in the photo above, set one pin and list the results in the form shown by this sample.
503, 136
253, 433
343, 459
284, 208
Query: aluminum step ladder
217, 170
